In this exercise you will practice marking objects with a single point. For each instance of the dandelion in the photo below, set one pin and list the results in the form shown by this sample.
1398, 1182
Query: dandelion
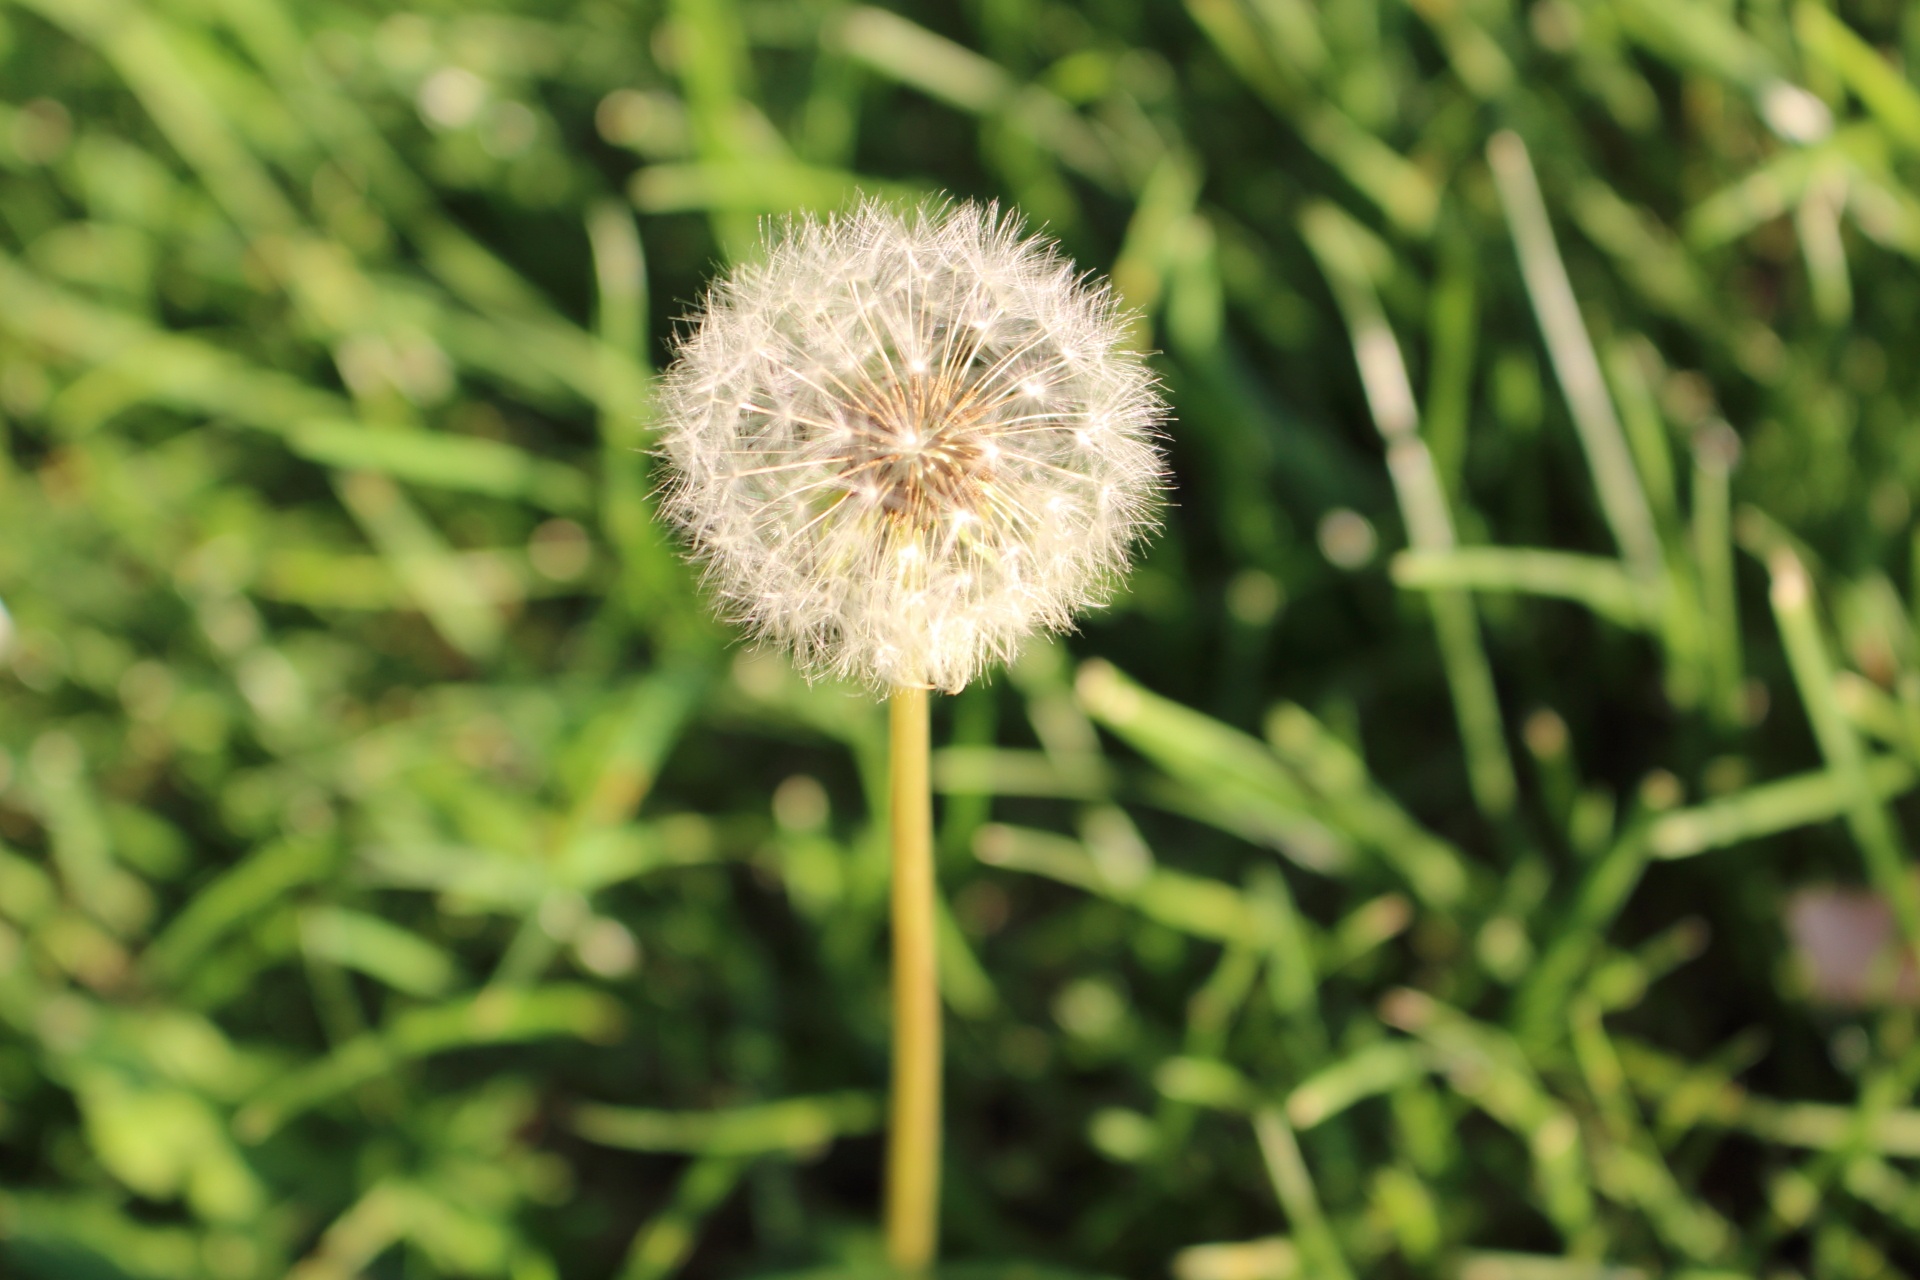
901, 444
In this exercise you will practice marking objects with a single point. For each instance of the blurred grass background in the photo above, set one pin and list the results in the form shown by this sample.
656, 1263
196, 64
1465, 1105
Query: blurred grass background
1473, 848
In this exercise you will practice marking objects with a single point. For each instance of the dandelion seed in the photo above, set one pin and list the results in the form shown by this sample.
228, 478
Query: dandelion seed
883, 426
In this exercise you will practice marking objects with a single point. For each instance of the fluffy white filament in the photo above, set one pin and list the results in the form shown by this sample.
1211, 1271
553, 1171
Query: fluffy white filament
902, 443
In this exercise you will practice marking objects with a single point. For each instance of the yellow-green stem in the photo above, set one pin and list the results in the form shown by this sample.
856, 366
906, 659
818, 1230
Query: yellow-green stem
913, 1131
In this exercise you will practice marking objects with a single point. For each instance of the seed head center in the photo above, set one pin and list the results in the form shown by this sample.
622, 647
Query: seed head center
917, 455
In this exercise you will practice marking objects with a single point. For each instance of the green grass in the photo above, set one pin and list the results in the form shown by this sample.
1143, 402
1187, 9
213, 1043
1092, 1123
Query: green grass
401, 874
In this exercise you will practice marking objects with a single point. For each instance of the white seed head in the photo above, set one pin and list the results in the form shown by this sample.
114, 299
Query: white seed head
902, 443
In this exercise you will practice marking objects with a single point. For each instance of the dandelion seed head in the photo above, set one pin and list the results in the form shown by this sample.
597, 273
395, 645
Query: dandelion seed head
904, 442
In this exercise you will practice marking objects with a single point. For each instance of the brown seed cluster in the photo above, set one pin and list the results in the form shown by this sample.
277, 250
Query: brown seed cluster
918, 453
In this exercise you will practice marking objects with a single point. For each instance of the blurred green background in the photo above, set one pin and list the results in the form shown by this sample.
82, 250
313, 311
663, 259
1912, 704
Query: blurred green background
1473, 848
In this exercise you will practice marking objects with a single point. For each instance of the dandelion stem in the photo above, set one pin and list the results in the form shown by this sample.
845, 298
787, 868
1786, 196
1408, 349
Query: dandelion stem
913, 1132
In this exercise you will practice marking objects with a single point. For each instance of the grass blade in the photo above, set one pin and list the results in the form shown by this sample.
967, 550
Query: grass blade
1888, 864
1574, 361
1598, 584
1423, 501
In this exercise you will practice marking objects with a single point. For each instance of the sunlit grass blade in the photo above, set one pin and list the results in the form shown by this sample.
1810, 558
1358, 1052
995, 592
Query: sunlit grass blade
796, 1125
91, 1229
1205, 1082
1599, 584
1628, 1166
233, 899
1399, 188
1890, 96
1655, 261
441, 461
1603, 891
1191, 904
1376, 1069
1240, 781
1369, 926
1773, 807
1452, 329
1684, 629
496, 1016
323, 580
1492, 1070
1292, 982
1482, 1264
1699, 1094
1422, 498
1816, 220
1293, 1185
368, 944
1888, 864
1716, 449
1622, 496
1009, 772
420, 559
1702, 37
903, 50
1768, 192
1271, 1258
1436, 871
664, 1243
1475, 55
147, 56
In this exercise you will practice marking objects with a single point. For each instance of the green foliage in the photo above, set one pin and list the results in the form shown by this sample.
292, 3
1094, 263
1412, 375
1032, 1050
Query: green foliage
402, 875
